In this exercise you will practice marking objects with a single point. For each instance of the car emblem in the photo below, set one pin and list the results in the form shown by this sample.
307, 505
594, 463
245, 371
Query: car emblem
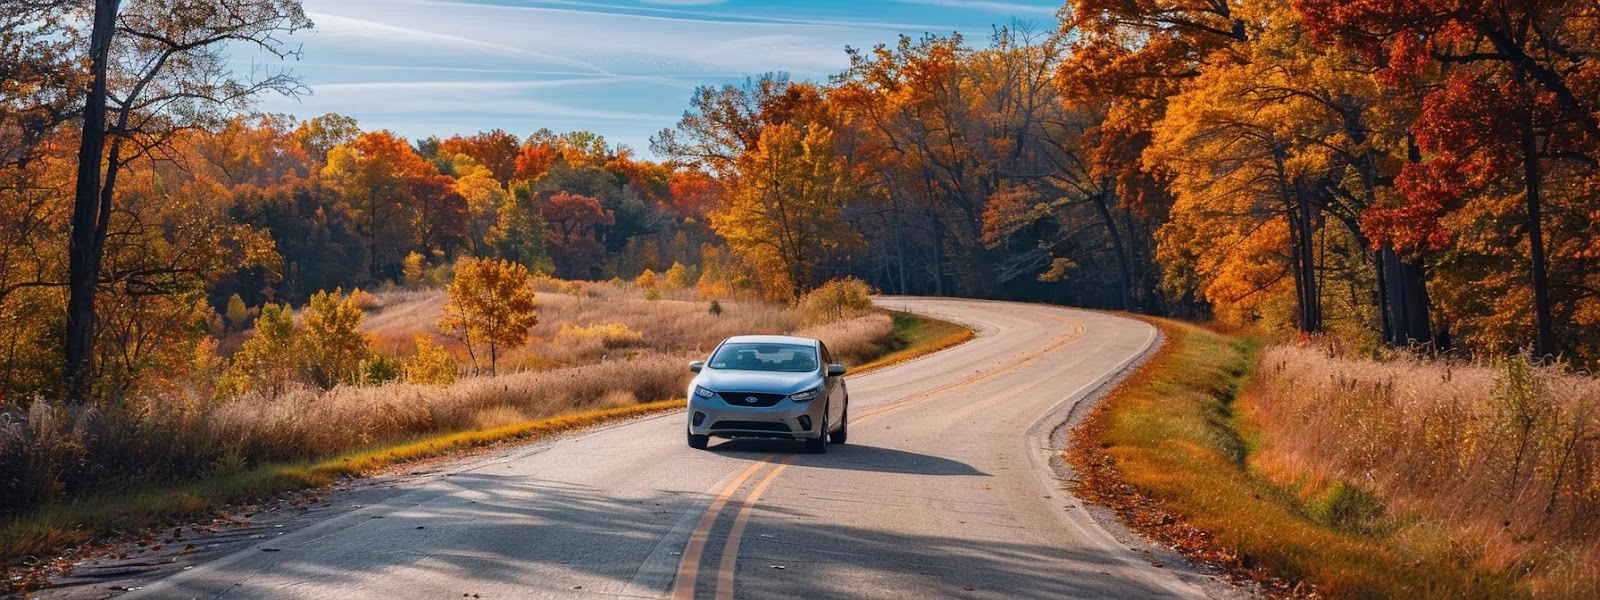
751, 400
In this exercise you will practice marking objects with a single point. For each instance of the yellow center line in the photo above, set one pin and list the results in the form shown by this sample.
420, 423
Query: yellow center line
689, 566
730, 551
1027, 359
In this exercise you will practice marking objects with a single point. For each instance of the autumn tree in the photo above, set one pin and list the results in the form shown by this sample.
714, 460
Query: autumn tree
431, 365
496, 150
331, 343
574, 223
376, 174
491, 304
521, 235
237, 312
269, 362
723, 123
783, 210
1516, 113
154, 67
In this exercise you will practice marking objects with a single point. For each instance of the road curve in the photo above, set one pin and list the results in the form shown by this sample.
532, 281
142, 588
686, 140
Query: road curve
945, 490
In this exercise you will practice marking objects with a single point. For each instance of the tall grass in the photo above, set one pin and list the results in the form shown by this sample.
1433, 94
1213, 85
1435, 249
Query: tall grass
597, 345
1503, 457
679, 322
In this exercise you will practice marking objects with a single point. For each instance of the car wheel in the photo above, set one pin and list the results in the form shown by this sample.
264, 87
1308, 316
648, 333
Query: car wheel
699, 442
839, 436
819, 444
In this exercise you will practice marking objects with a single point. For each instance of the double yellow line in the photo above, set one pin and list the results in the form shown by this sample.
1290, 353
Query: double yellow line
689, 566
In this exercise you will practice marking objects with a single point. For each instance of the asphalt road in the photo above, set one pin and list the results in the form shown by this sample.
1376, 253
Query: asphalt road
945, 490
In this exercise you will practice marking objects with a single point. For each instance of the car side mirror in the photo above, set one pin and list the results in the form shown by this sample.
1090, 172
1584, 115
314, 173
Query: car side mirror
836, 370
697, 366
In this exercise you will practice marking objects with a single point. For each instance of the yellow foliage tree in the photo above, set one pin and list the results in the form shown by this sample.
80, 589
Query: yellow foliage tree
647, 280
267, 362
332, 344
492, 304
432, 364
783, 211
681, 276
414, 268
237, 312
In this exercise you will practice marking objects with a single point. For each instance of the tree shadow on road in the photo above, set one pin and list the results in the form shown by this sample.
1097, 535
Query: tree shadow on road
850, 457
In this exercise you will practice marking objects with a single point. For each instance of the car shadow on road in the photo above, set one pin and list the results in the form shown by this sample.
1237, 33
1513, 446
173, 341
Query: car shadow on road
851, 457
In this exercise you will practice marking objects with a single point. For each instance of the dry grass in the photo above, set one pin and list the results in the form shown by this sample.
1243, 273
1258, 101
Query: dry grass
1166, 451
1504, 458
71, 474
26, 540
858, 339
678, 323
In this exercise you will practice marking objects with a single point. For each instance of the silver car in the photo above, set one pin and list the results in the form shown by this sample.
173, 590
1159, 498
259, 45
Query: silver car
769, 386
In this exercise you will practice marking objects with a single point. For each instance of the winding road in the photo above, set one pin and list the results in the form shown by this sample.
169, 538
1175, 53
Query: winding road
946, 489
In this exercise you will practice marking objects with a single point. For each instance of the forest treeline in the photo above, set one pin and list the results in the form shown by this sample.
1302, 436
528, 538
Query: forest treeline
1400, 174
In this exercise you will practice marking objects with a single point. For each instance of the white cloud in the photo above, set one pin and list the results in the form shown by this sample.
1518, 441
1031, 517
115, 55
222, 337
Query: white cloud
990, 5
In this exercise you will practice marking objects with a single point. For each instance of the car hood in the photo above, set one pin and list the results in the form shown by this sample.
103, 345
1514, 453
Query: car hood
766, 382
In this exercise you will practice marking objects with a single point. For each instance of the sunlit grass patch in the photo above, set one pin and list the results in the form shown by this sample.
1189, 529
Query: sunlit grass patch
1169, 453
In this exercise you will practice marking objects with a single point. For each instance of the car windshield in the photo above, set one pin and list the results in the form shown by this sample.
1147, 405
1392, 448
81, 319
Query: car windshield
787, 358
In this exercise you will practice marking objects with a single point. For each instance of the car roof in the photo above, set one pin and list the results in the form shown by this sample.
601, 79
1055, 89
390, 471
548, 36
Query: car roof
770, 339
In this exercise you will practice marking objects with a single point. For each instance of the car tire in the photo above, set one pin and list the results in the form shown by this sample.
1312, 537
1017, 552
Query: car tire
819, 444
699, 442
839, 436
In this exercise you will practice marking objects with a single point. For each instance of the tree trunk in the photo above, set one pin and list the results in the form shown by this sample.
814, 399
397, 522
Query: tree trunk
938, 256
1544, 341
83, 271
1124, 270
1408, 301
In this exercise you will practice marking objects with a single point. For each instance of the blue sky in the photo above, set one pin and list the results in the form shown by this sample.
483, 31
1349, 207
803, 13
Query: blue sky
621, 68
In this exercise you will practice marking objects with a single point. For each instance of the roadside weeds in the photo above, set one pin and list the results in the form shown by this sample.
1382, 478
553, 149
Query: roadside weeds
1165, 452
31, 547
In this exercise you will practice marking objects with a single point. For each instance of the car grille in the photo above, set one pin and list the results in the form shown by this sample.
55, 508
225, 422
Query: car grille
751, 426
742, 399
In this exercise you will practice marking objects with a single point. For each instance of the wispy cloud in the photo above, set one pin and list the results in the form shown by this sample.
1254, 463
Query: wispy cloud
438, 67
1014, 8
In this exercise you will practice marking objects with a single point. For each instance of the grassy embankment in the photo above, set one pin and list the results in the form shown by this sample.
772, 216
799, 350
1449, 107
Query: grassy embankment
480, 411
1202, 453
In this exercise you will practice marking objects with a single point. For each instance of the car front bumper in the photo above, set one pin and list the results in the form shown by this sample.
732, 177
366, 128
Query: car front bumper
786, 420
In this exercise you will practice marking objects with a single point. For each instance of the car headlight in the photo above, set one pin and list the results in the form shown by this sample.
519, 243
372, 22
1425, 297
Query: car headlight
703, 392
806, 396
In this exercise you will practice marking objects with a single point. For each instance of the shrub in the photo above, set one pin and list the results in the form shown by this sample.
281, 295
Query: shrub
610, 335
647, 280
414, 269
268, 362
431, 365
837, 299
238, 314
332, 345
652, 295
363, 301
380, 369
681, 277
